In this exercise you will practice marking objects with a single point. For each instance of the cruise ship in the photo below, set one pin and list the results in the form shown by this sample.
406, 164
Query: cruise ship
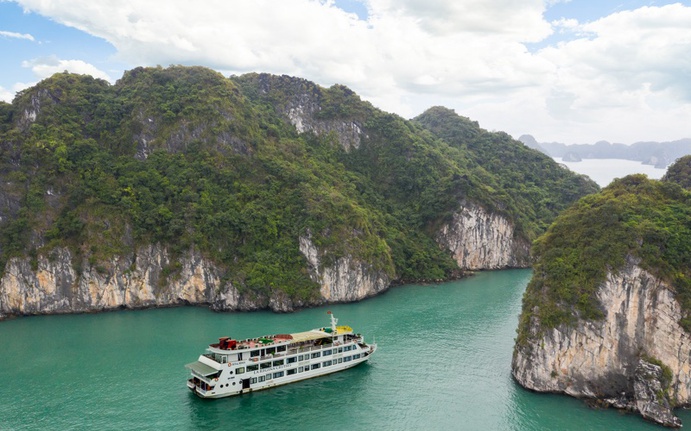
232, 367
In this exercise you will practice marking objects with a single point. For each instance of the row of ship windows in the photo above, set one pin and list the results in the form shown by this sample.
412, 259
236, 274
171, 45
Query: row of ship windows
292, 359
292, 371
272, 350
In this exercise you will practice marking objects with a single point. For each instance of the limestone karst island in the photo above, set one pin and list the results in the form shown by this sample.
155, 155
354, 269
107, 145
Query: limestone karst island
606, 314
181, 186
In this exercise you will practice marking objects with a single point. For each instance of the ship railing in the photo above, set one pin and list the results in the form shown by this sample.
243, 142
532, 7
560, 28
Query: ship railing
211, 356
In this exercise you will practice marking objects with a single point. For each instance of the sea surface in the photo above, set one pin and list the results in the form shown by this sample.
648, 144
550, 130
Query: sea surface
603, 171
443, 364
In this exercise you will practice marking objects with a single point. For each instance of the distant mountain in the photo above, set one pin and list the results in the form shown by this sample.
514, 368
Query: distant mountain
658, 154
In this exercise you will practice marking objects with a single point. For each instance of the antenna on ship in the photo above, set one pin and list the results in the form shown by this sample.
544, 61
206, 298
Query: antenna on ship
334, 321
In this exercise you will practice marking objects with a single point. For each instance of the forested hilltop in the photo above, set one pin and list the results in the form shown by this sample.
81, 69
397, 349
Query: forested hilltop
271, 179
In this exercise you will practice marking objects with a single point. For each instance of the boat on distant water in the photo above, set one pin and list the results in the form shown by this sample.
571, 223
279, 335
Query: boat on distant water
232, 367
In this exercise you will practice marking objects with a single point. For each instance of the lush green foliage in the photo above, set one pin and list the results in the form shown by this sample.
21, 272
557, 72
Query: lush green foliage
529, 187
635, 218
187, 158
680, 172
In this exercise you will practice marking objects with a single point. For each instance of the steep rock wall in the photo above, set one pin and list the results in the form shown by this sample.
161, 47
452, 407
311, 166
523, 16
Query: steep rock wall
479, 239
54, 285
346, 279
599, 359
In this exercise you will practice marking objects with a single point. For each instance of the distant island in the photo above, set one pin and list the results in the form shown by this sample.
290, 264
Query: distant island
658, 154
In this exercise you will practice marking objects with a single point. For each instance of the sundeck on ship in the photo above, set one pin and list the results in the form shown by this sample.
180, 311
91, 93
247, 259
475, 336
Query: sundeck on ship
231, 367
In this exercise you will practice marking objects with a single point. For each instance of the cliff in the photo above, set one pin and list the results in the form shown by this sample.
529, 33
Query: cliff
53, 285
600, 359
479, 239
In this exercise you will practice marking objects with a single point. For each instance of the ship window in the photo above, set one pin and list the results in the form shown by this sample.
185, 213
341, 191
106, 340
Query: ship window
224, 359
278, 374
270, 350
254, 380
327, 363
340, 350
356, 356
265, 365
327, 352
340, 360
252, 367
316, 355
291, 371
291, 360
261, 378
281, 348
315, 366
279, 362
301, 357
240, 370
301, 369
347, 358
254, 353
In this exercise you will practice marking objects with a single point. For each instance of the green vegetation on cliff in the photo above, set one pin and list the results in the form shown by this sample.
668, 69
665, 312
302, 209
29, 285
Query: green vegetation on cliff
680, 172
185, 157
633, 217
533, 190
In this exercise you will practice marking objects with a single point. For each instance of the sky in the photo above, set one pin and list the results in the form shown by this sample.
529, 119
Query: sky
572, 71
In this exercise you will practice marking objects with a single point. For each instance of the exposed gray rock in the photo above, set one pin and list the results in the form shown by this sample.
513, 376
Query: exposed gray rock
347, 279
479, 239
302, 111
601, 359
650, 395
131, 282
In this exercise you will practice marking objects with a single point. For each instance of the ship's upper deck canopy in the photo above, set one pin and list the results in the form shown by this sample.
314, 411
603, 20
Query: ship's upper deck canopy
201, 368
308, 336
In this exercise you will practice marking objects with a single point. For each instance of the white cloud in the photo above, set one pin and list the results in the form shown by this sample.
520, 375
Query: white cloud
521, 21
47, 66
6, 95
14, 35
622, 77
628, 76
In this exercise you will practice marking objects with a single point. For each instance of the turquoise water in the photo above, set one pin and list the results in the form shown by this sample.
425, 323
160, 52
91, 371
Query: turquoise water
443, 364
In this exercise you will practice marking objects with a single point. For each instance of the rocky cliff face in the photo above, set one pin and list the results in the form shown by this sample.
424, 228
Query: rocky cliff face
346, 279
614, 359
479, 239
54, 285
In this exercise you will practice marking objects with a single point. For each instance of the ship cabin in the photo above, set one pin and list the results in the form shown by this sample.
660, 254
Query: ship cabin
229, 350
